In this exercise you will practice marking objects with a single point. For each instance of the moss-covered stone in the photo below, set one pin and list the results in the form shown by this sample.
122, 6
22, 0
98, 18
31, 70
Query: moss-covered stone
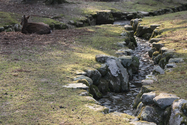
157, 59
84, 81
95, 92
156, 53
150, 52
163, 62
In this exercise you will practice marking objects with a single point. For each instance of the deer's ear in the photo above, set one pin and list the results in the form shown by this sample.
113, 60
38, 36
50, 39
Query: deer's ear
28, 17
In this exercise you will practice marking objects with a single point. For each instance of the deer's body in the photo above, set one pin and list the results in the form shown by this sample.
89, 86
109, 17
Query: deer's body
38, 28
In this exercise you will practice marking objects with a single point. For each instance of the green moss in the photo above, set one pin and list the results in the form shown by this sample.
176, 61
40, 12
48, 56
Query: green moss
84, 81
7, 18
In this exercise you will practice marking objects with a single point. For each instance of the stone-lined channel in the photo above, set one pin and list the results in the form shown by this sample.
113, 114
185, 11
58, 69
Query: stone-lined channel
123, 102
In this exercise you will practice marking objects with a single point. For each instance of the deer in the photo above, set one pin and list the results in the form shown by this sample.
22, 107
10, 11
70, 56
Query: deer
38, 28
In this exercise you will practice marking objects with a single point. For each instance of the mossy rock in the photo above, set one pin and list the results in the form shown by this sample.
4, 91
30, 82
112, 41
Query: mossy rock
150, 52
137, 100
156, 53
147, 36
84, 81
157, 59
135, 64
131, 46
95, 92
163, 62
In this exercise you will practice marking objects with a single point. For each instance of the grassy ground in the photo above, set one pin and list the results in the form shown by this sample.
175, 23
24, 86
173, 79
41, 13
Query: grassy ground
33, 68
174, 36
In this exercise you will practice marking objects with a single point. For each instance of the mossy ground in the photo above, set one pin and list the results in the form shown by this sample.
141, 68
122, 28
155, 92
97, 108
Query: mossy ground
174, 27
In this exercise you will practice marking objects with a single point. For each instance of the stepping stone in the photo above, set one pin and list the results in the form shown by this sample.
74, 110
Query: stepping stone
76, 86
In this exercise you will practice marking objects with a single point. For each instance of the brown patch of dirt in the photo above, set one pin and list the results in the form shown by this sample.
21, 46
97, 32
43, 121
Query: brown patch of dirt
10, 41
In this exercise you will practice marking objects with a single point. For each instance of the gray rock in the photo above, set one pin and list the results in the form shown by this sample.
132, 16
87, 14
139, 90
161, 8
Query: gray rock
144, 13
102, 58
163, 100
151, 51
84, 93
151, 77
98, 108
103, 69
157, 45
126, 61
176, 60
121, 44
151, 114
154, 26
2, 29
138, 109
76, 86
170, 65
95, 75
147, 82
147, 98
103, 86
128, 27
95, 92
142, 123
117, 76
17, 27
152, 40
177, 116
157, 59
104, 17
163, 49
158, 70
135, 64
135, 24
90, 81
124, 34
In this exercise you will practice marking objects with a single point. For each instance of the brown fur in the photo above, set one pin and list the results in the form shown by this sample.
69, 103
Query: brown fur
38, 28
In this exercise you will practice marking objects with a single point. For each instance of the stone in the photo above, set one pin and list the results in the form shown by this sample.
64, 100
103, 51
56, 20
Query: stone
163, 100
98, 108
91, 99
2, 29
178, 114
126, 61
17, 27
156, 53
103, 58
117, 76
151, 51
170, 65
163, 49
154, 26
142, 123
152, 40
147, 98
104, 17
84, 93
151, 77
122, 52
121, 44
176, 60
95, 75
90, 81
158, 70
147, 82
76, 86
158, 46
135, 24
95, 92
144, 13
128, 27
103, 86
135, 64
103, 69
163, 62
138, 109
157, 59
151, 114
